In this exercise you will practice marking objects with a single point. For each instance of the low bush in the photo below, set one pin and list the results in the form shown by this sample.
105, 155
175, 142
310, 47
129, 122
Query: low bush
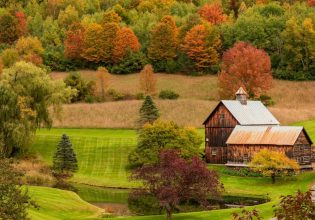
134, 62
85, 89
266, 100
168, 94
242, 171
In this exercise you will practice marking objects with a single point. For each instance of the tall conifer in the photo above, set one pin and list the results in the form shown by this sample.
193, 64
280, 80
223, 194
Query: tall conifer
148, 112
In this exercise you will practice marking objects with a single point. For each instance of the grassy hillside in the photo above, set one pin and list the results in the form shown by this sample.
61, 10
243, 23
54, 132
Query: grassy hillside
56, 204
198, 96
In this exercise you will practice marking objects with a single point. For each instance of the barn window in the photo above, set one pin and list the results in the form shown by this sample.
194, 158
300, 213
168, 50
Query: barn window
222, 116
306, 159
245, 157
214, 152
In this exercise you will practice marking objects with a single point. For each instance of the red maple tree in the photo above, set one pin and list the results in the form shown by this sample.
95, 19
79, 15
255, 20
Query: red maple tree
74, 42
246, 66
22, 23
174, 179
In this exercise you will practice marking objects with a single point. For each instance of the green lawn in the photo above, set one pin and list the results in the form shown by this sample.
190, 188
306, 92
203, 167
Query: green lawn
58, 204
310, 128
102, 155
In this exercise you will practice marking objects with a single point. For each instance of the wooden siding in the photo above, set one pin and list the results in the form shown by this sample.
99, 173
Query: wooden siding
217, 130
301, 151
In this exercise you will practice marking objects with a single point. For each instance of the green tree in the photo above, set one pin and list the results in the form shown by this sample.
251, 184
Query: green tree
65, 161
148, 112
8, 28
26, 95
273, 164
9, 57
68, 16
14, 201
164, 135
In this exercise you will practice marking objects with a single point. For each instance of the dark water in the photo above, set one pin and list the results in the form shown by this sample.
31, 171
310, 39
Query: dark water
115, 201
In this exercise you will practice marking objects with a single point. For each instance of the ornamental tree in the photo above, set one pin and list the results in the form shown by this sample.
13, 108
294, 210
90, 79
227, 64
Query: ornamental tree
164, 40
148, 112
273, 164
124, 42
147, 80
213, 13
202, 45
164, 135
245, 66
173, 179
296, 207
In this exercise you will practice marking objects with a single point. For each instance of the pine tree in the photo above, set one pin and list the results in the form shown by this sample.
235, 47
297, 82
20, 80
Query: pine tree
148, 112
65, 161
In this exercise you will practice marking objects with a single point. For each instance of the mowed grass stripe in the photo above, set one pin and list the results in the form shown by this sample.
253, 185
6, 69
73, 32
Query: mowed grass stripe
102, 161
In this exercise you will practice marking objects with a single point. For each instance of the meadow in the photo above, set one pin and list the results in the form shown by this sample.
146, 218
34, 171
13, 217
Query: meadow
102, 155
198, 96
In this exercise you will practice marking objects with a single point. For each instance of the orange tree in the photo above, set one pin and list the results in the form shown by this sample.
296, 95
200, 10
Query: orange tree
202, 44
147, 80
213, 13
125, 41
272, 164
245, 66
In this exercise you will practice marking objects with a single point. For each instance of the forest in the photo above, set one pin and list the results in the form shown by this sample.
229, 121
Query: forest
175, 36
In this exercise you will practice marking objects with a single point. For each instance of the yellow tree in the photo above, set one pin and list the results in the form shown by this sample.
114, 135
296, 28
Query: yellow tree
272, 164
202, 44
103, 80
164, 40
148, 80
30, 49
92, 41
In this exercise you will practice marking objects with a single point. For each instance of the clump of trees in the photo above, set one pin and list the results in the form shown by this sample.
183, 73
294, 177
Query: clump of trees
161, 135
14, 200
26, 94
173, 35
172, 179
273, 164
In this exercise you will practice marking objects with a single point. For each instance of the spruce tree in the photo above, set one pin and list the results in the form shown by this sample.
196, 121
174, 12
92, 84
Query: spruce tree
148, 112
65, 161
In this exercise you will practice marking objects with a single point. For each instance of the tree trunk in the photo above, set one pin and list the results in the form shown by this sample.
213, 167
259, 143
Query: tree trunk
273, 178
168, 214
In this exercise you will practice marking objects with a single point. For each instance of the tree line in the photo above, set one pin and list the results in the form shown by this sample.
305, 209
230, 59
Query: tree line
187, 36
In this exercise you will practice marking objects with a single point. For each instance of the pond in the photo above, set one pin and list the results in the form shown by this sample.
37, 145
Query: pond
115, 201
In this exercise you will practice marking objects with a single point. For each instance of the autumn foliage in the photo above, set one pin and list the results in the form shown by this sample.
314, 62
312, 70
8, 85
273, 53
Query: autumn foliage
21, 23
174, 179
273, 163
213, 13
148, 80
311, 3
74, 42
163, 40
125, 41
202, 45
245, 66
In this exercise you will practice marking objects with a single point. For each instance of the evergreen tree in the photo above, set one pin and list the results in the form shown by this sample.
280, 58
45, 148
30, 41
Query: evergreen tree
65, 161
148, 112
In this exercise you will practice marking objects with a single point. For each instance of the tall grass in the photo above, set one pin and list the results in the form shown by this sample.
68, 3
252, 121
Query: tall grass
294, 101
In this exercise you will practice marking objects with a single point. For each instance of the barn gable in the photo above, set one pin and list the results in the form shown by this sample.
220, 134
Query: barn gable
251, 113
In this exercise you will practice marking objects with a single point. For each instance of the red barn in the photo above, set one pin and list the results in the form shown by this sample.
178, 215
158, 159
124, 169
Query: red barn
237, 129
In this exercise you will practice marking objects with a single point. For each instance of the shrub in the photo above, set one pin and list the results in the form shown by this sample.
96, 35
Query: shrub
84, 88
115, 95
244, 172
9, 57
168, 94
266, 100
140, 96
134, 62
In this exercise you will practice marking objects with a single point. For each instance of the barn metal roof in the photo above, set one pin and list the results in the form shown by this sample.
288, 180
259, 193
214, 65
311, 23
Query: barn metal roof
253, 113
265, 135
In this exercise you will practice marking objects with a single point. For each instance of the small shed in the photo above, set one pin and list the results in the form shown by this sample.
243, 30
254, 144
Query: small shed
245, 141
